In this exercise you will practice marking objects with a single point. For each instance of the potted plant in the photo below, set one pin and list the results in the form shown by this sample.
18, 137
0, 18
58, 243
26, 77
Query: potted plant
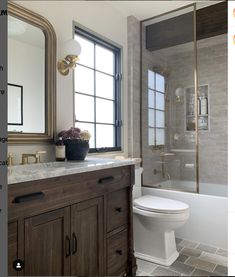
76, 143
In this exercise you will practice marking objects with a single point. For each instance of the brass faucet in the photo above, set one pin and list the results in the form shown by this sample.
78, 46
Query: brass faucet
25, 157
10, 159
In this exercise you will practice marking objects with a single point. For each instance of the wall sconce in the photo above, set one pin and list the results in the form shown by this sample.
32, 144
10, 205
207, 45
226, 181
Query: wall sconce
72, 50
179, 92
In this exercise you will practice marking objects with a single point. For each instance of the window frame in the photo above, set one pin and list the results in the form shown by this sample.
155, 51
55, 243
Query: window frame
97, 40
155, 91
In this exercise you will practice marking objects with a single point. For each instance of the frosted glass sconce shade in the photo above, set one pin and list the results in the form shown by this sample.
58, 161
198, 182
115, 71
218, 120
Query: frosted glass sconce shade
179, 92
71, 52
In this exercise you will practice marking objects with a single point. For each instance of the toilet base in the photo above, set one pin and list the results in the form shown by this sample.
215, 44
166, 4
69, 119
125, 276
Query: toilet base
165, 262
152, 242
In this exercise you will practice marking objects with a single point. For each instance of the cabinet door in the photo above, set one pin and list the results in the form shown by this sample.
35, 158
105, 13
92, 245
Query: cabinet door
87, 238
12, 247
46, 249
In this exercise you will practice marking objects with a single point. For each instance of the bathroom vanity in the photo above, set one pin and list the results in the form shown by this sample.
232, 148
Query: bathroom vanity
72, 218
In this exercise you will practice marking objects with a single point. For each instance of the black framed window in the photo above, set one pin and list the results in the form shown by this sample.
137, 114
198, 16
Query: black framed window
97, 83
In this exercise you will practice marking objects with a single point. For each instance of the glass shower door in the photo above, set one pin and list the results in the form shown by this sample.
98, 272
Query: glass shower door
169, 101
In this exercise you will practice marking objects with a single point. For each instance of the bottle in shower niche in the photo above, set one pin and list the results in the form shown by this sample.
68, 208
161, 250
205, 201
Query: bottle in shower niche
204, 105
60, 150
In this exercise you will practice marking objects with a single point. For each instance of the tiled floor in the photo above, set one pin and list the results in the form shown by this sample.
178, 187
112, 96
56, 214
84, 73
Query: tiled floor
194, 260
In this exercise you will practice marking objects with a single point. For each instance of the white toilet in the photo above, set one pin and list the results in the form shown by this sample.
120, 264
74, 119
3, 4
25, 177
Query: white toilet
155, 219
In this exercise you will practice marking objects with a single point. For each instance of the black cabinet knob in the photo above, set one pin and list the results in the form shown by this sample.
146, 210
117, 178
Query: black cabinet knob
119, 252
119, 210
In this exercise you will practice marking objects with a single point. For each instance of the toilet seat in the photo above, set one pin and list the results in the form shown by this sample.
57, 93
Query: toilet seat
160, 205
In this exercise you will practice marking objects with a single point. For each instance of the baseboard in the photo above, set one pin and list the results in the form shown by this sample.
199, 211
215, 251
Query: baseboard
165, 262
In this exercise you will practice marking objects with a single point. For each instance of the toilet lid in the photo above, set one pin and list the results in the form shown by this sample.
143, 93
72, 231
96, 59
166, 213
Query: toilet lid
160, 205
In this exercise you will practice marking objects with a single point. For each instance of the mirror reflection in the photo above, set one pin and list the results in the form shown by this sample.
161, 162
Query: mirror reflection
26, 77
15, 104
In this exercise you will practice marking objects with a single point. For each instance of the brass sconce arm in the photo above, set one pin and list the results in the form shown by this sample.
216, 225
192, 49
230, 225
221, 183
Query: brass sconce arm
72, 50
69, 62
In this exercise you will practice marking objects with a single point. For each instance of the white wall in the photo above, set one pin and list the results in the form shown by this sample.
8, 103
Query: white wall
26, 68
100, 18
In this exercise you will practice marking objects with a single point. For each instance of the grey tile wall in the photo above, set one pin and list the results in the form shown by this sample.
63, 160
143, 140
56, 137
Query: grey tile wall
133, 26
179, 60
212, 70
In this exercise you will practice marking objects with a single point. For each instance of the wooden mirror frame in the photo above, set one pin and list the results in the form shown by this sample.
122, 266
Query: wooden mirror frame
50, 77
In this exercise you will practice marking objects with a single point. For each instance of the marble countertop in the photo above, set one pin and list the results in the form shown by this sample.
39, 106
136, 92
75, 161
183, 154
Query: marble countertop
32, 172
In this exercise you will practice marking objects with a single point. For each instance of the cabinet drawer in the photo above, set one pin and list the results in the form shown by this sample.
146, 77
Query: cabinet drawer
31, 198
117, 209
117, 246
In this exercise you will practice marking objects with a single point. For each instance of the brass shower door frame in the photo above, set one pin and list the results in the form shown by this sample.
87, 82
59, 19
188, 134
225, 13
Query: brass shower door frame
195, 72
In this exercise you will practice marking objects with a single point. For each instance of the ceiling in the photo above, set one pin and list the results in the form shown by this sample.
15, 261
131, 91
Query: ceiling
146, 9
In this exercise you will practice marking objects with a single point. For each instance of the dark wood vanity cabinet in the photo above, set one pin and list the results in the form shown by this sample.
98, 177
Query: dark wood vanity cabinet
12, 246
87, 238
81, 226
45, 243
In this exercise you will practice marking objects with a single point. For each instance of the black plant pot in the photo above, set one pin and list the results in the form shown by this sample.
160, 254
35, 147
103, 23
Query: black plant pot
76, 149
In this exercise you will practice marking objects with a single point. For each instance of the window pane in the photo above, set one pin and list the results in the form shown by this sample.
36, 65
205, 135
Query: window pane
151, 99
160, 83
104, 85
150, 79
87, 54
151, 136
160, 136
160, 119
151, 118
89, 127
160, 101
84, 80
104, 111
104, 136
104, 59
84, 107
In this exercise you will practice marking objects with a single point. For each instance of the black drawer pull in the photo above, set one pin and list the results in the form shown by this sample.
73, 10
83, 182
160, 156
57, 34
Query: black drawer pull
119, 252
119, 210
68, 247
75, 244
29, 197
106, 179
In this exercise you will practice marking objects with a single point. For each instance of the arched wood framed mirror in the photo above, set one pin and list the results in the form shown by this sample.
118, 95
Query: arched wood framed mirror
31, 77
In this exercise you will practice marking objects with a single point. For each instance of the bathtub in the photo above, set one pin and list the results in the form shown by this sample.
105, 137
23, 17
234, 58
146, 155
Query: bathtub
208, 222
189, 186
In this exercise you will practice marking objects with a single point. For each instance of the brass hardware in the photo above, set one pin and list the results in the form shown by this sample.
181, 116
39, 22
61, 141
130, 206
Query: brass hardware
163, 166
72, 50
68, 63
196, 95
155, 172
25, 157
10, 159
38, 157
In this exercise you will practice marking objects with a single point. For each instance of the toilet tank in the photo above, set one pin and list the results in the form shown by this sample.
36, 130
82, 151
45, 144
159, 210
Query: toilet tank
138, 183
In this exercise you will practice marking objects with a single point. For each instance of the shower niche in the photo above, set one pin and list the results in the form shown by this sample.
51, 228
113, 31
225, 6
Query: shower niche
202, 105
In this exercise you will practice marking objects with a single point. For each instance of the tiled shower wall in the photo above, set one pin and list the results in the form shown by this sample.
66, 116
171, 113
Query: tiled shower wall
133, 33
212, 70
213, 151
